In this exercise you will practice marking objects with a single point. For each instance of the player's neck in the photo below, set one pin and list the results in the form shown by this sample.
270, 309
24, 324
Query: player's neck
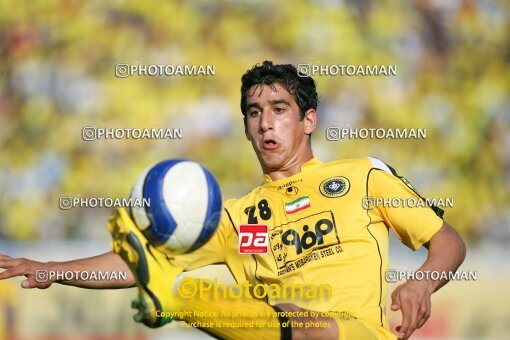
291, 169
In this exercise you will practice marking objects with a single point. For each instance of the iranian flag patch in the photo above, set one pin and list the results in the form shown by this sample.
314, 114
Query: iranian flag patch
297, 205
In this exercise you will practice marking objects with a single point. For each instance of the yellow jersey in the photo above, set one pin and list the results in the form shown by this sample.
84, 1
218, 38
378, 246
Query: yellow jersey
323, 228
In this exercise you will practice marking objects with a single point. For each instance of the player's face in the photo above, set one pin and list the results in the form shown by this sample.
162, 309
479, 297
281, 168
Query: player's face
273, 125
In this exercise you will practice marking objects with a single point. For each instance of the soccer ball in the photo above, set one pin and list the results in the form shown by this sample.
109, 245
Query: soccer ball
184, 207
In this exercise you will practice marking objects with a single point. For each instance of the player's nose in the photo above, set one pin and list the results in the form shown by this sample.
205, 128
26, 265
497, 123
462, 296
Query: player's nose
266, 121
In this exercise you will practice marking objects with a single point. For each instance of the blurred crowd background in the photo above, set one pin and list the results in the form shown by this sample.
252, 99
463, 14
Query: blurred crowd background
57, 62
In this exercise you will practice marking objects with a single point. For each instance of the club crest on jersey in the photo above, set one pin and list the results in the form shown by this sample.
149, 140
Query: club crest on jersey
297, 205
334, 187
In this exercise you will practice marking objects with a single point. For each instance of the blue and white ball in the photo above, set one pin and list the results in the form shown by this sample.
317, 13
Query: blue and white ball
185, 205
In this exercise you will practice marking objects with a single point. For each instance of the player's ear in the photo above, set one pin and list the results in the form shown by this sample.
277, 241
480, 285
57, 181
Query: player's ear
310, 121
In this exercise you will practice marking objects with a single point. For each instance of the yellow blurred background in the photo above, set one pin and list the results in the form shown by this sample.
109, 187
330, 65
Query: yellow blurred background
57, 75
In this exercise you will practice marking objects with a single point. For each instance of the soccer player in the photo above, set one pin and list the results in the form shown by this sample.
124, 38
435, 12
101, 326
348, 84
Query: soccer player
322, 229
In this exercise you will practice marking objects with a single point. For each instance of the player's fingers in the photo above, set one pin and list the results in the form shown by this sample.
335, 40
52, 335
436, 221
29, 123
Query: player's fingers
426, 313
28, 283
8, 263
25, 284
407, 318
413, 320
395, 301
15, 271
4, 257
31, 282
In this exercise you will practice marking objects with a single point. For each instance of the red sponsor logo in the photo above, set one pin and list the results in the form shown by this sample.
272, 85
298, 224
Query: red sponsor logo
253, 239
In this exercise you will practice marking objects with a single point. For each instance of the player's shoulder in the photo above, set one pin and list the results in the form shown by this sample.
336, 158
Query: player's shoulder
360, 165
233, 203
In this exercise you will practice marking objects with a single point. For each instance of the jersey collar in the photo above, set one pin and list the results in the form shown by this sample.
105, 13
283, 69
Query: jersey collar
310, 165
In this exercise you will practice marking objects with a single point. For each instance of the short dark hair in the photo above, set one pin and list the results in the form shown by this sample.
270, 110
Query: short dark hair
299, 85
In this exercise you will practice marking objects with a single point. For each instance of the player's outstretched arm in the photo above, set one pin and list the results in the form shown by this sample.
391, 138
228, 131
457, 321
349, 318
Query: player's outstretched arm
44, 274
446, 253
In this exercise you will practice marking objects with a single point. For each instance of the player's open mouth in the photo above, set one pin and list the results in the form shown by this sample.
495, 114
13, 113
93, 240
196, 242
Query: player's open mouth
269, 144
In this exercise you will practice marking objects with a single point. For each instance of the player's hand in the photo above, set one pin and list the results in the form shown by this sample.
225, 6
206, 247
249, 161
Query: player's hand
413, 299
25, 267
